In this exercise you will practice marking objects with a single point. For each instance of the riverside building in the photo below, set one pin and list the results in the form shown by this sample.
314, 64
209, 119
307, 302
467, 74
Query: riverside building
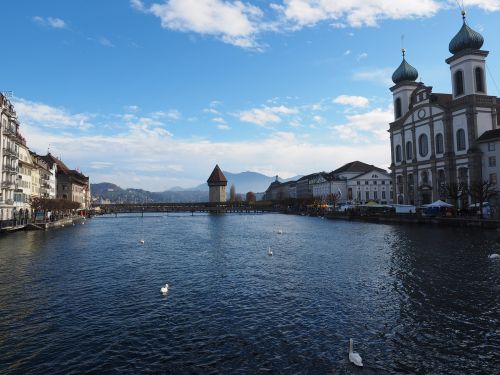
433, 135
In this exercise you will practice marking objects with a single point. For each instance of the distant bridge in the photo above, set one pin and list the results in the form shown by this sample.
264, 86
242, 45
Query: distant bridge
116, 208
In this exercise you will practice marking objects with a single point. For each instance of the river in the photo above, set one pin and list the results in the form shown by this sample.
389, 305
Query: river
415, 299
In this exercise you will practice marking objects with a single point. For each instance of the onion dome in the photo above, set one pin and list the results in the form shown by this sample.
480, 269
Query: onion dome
405, 72
466, 38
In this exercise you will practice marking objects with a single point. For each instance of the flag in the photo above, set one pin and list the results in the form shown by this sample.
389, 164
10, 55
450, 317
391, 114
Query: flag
340, 193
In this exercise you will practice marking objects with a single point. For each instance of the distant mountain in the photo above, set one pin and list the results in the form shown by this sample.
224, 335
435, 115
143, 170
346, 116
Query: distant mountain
247, 181
243, 182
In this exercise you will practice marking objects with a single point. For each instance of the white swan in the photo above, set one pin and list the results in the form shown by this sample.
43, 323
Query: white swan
280, 231
354, 357
494, 256
141, 242
269, 251
164, 289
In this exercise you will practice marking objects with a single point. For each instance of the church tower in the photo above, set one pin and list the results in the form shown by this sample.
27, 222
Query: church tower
217, 183
404, 79
467, 64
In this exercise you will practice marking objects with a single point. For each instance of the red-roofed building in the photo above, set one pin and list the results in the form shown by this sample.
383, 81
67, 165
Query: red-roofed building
217, 183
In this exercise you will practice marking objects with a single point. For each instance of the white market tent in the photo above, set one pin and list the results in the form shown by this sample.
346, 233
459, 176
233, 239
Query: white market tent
438, 203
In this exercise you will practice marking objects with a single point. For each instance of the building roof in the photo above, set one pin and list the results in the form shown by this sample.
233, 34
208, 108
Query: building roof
217, 177
489, 135
404, 72
466, 38
357, 167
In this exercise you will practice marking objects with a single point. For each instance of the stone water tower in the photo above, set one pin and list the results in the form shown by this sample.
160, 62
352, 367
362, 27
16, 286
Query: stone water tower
217, 183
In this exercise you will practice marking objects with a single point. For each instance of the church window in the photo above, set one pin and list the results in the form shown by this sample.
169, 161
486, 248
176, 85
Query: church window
460, 139
398, 108
409, 151
479, 79
398, 153
425, 178
423, 146
439, 144
459, 83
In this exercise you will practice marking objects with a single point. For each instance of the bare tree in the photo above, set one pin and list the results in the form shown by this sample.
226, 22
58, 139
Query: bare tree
454, 191
333, 199
480, 192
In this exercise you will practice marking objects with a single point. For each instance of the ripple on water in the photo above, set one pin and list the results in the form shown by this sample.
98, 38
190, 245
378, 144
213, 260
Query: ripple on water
87, 299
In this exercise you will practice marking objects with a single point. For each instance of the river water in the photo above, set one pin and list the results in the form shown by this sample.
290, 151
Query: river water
415, 299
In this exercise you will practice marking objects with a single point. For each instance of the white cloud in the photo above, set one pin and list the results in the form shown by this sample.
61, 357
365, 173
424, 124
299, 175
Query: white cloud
362, 56
380, 76
172, 114
105, 42
368, 127
347, 52
353, 101
47, 116
488, 5
223, 127
233, 22
355, 13
265, 115
53, 22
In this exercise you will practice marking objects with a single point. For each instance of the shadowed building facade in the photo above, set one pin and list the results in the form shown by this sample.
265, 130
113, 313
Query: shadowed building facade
217, 183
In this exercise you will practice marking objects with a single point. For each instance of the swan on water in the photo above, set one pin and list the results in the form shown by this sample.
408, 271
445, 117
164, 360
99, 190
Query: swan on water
494, 256
269, 251
353, 356
164, 289
141, 242
280, 231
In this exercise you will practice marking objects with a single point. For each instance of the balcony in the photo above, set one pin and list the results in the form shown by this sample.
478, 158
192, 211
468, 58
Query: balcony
8, 185
10, 152
10, 132
9, 169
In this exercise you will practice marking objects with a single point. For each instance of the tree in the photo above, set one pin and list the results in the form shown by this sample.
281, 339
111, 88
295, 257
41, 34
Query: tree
333, 199
232, 194
250, 198
453, 191
481, 191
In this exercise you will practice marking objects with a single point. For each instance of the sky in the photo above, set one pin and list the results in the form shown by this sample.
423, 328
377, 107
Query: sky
153, 93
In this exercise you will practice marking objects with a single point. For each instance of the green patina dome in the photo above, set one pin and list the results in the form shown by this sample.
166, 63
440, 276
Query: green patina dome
466, 38
405, 72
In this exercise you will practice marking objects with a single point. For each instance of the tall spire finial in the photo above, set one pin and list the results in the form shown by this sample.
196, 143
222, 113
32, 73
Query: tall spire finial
463, 13
403, 50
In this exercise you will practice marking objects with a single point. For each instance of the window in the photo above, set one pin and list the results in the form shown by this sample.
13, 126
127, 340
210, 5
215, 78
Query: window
398, 108
492, 161
441, 176
423, 146
491, 147
398, 154
375, 196
439, 144
409, 151
383, 182
460, 139
374, 182
425, 178
358, 182
462, 175
459, 83
493, 178
383, 195
367, 182
478, 72
367, 195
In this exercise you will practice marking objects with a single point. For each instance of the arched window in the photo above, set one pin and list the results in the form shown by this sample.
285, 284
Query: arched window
425, 178
398, 154
479, 79
409, 151
463, 175
460, 140
441, 176
439, 144
423, 146
398, 108
459, 83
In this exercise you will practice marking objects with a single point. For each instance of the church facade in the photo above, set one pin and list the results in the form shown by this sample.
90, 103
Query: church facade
433, 135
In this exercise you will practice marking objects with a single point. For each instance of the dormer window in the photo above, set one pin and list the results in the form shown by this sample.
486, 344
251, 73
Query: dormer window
459, 83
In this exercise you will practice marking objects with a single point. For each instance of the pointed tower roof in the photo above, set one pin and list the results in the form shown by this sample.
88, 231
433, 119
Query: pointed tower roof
466, 38
404, 72
217, 177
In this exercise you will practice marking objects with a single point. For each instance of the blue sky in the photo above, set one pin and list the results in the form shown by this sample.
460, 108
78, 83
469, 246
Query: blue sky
153, 93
